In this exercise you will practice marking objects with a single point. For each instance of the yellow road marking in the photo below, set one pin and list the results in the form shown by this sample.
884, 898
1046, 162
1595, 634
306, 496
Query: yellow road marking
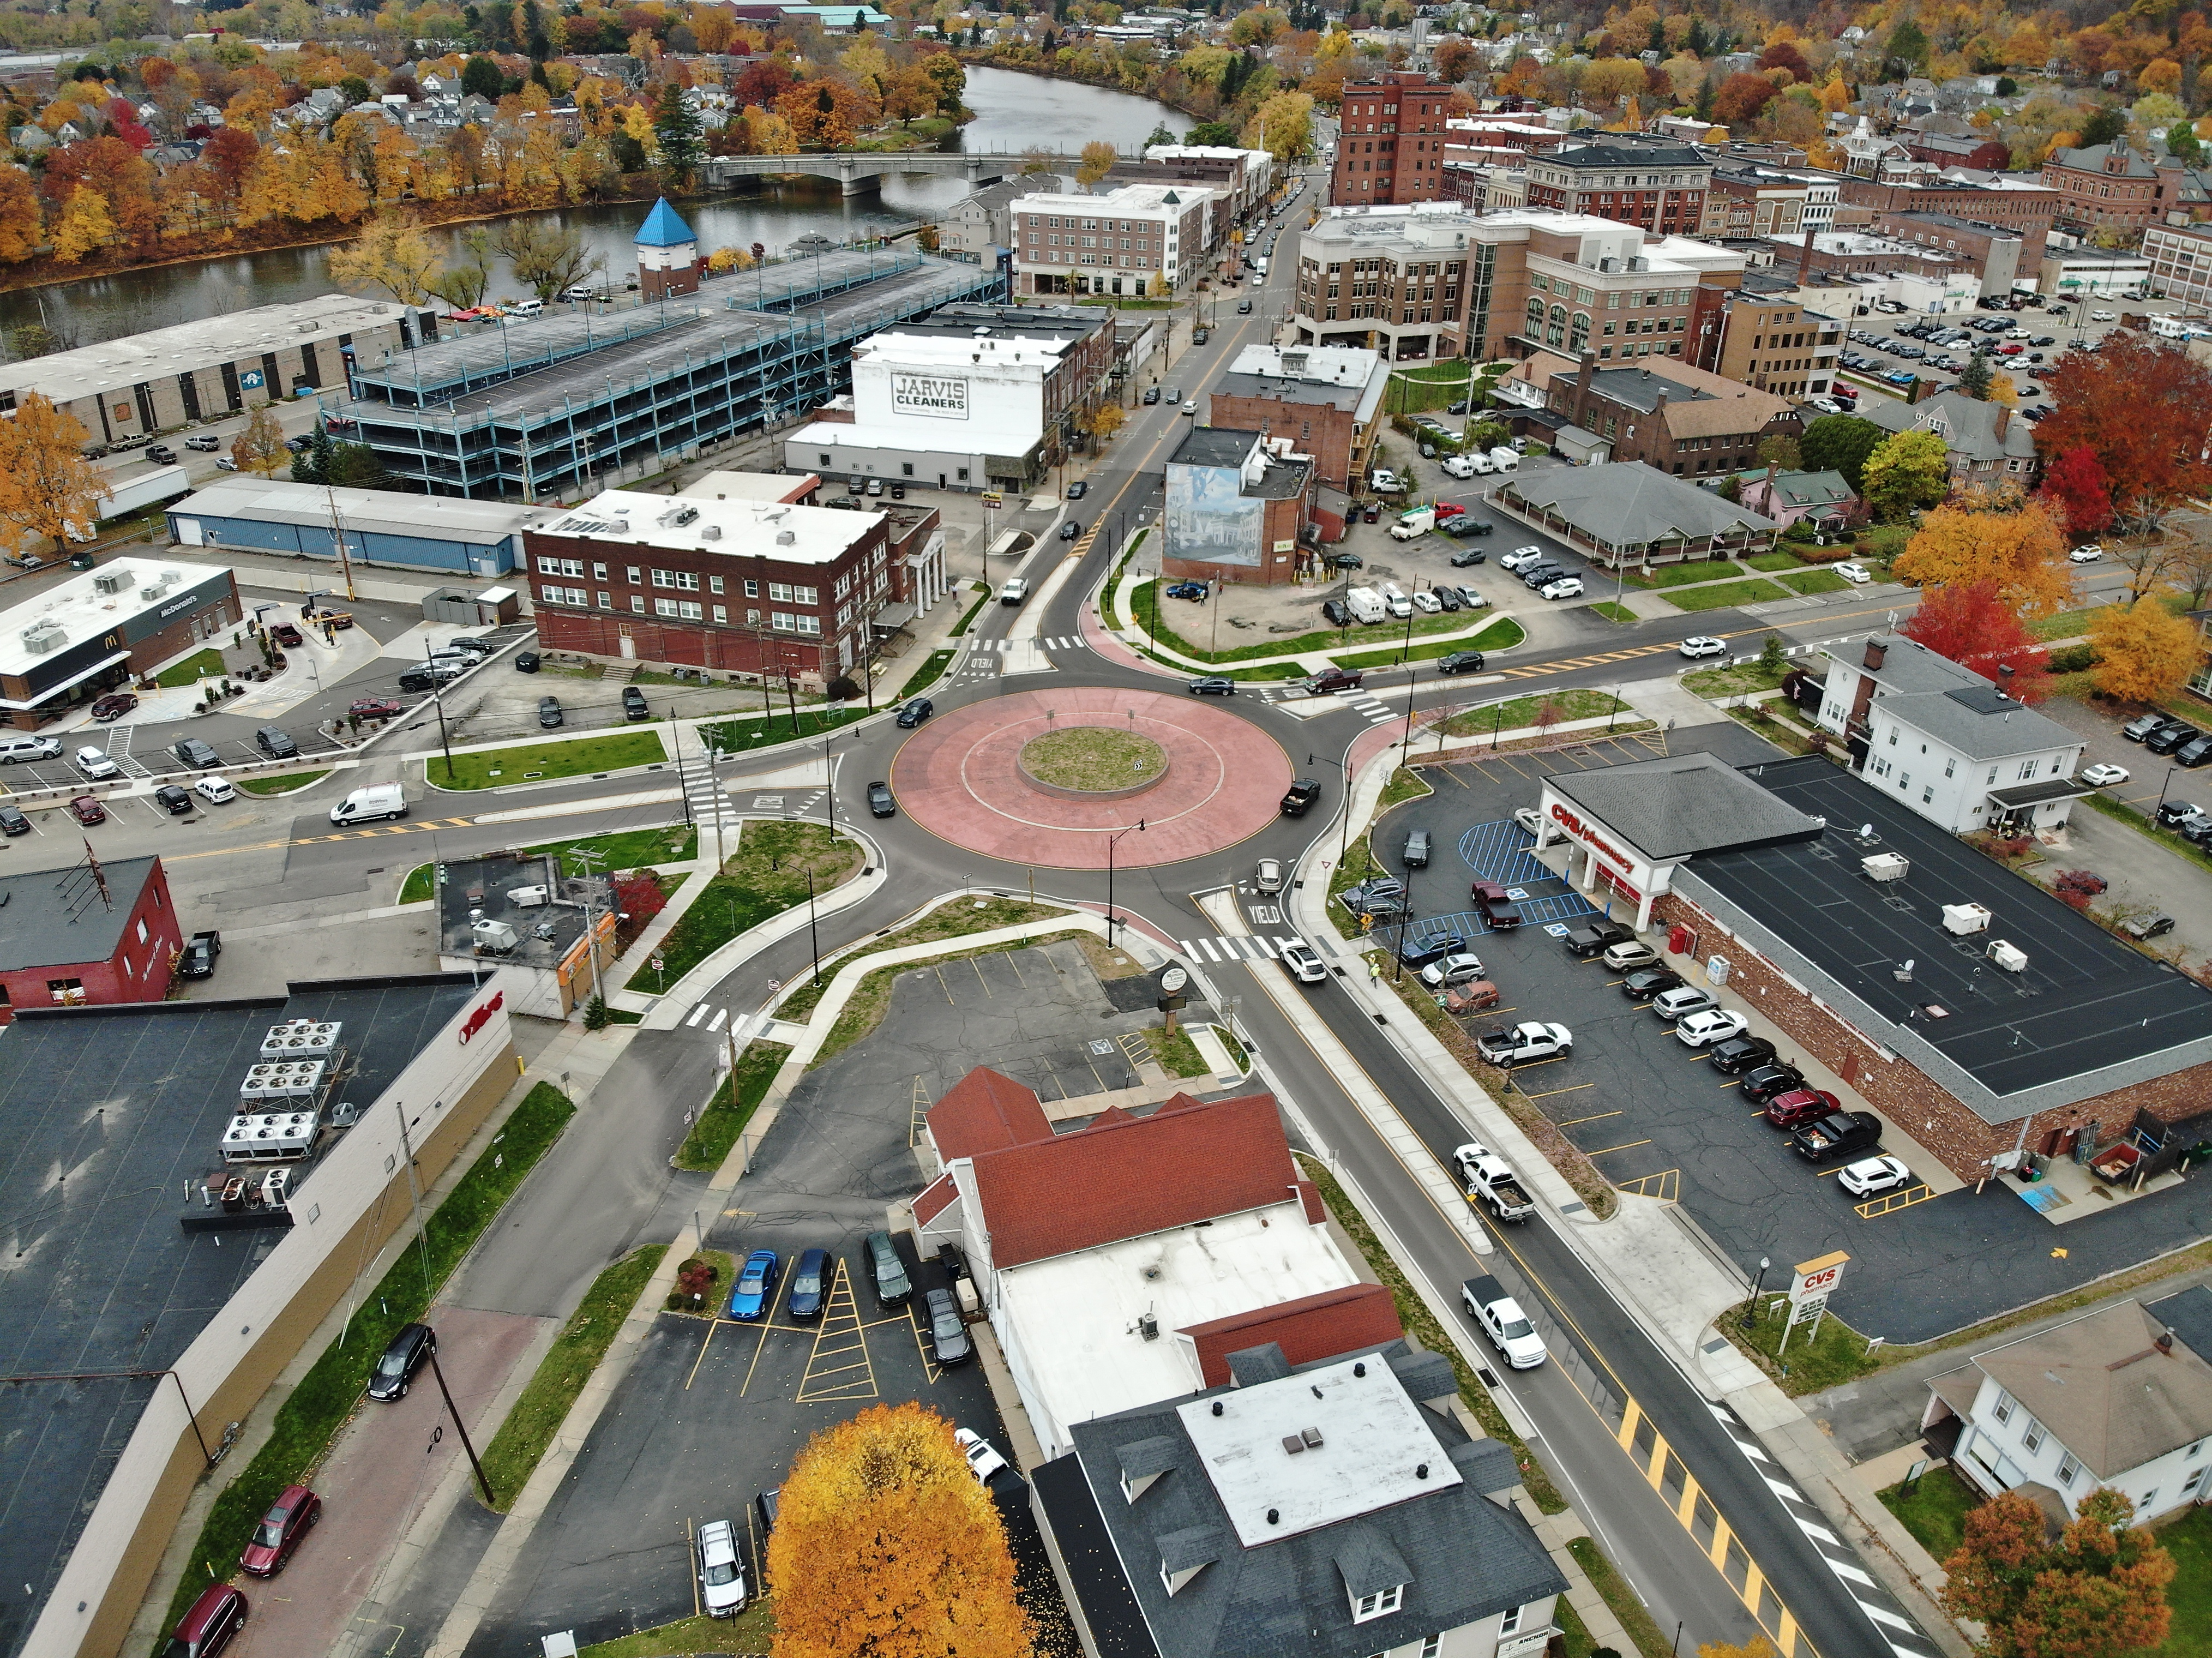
1626, 1146
1890, 1202
1575, 1121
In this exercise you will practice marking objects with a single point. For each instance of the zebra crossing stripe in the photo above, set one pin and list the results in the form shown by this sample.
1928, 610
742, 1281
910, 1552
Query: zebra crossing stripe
1265, 948
697, 1014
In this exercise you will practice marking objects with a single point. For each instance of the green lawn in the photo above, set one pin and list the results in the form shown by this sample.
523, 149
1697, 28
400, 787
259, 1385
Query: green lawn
1176, 1053
1815, 581
675, 843
420, 886
578, 756
516, 1449
1611, 611
1836, 1356
968, 621
284, 785
1733, 682
1723, 595
766, 876
326, 1395
764, 730
200, 665
729, 1111
1777, 560
1935, 1511
1682, 575
1501, 634
752, 1630
927, 675
1521, 711
2189, 1541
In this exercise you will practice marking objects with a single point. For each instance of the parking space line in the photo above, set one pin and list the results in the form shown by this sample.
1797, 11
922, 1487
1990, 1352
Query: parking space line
750, 1368
841, 1324
1571, 1088
943, 987
1665, 1186
691, 1549
1626, 1146
1573, 1122
976, 962
712, 1324
931, 1371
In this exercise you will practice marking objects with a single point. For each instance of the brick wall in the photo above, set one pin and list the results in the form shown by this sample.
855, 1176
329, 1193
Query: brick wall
1322, 429
1905, 1095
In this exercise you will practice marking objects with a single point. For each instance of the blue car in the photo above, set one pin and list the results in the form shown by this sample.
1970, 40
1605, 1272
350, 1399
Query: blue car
810, 1284
756, 1291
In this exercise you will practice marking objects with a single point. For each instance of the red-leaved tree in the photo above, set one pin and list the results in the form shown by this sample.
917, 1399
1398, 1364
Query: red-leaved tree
1740, 98
2075, 488
2141, 408
1975, 628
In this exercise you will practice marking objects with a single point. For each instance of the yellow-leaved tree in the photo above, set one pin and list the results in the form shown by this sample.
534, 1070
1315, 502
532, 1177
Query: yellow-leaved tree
1098, 160
48, 490
260, 446
390, 253
884, 1544
2143, 650
1987, 535
86, 226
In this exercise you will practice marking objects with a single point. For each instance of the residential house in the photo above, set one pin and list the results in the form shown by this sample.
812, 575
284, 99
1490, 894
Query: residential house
1989, 445
1949, 744
1822, 499
2118, 1398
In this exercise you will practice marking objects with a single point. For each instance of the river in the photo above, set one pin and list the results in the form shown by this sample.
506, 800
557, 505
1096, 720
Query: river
1013, 111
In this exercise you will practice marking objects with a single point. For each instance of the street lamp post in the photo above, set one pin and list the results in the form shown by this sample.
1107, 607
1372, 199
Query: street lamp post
1750, 1312
1113, 841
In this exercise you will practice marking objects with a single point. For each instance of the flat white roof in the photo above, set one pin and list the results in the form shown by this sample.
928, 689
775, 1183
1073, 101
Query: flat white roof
819, 535
1078, 1313
753, 486
937, 351
854, 434
82, 609
1122, 198
1371, 1440
392, 511
167, 352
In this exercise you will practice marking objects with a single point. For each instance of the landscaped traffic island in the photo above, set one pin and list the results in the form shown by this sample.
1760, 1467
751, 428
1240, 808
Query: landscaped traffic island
1091, 762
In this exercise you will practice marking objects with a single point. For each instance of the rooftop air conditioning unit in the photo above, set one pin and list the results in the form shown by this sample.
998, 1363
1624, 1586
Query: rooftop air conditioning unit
785, 537
111, 581
1963, 918
2008, 956
41, 637
1885, 866
710, 532
150, 594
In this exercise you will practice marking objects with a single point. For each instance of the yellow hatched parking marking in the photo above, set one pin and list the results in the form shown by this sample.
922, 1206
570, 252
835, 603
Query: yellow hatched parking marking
839, 1367
1665, 1186
1890, 1202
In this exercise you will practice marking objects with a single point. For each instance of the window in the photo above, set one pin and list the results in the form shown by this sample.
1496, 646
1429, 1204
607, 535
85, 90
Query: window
713, 583
2149, 1501
637, 603
142, 929
1927, 794
684, 581
2068, 1468
2002, 1409
2027, 770
824, 460
682, 610
1893, 736
2189, 1486
1949, 766
598, 572
1510, 1622
722, 613
1369, 1607
1432, 1646
2030, 1436
552, 595
784, 593
635, 578
560, 566
752, 590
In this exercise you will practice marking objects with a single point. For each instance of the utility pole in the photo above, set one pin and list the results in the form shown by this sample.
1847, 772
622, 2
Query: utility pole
459, 1427
586, 857
337, 534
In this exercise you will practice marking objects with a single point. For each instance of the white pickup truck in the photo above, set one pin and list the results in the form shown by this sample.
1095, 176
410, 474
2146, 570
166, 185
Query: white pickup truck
1501, 1320
1490, 1180
1533, 1039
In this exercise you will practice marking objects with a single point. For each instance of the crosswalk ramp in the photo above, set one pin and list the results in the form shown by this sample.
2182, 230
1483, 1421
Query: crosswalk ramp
1239, 947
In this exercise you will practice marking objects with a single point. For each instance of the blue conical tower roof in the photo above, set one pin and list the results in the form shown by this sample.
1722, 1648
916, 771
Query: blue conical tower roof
664, 228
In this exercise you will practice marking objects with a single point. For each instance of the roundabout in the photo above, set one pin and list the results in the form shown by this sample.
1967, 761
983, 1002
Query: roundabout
1043, 777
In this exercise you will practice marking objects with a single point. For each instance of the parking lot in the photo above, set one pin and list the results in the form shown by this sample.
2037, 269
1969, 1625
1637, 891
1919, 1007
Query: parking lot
1877, 347
713, 1410
1656, 1121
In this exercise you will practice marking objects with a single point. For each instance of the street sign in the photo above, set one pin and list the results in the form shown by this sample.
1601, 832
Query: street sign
1815, 1281
1174, 980
992, 499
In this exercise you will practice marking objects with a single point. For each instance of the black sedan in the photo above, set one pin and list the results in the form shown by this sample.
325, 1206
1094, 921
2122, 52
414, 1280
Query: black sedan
1420, 951
410, 1351
1193, 591
1765, 1082
1077, 490
1740, 1053
916, 710
1213, 685
1647, 982
196, 754
880, 801
1069, 531
1152, 394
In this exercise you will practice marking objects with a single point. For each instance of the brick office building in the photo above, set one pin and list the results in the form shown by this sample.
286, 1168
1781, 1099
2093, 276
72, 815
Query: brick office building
1390, 142
1326, 399
744, 586
2006, 201
91, 936
2105, 186
1660, 187
1773, 343
1677, 419
1236, 508
1949, 1061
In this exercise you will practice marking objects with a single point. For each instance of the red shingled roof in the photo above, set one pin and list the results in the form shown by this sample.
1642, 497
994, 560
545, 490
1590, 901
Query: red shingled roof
986, 1112
1311, 1327
1121, 1177
936, 1198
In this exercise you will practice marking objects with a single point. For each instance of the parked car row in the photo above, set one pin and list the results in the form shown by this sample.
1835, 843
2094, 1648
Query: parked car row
2162, 733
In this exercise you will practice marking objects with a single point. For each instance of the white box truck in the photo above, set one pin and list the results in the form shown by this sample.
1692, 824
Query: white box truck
1418, 522
1365, 603
162, 483
1504, 460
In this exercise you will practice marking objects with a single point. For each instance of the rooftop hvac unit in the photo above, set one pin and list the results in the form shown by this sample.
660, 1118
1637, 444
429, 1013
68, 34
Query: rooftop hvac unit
41, 637
111, 581
150, 594
1963, 918
711, 533
301, 1039
1885, 866
267, 1136
2007, 955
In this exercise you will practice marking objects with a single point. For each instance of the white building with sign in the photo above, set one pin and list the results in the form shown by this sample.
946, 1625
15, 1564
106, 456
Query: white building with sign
973, 397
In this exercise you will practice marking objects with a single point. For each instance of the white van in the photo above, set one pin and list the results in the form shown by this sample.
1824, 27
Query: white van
367, 805
1395, 601
1365, 603
1418, 522
1504, 460
525, 308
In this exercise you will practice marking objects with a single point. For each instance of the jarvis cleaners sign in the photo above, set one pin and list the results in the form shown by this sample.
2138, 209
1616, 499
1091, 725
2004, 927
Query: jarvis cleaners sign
943, 397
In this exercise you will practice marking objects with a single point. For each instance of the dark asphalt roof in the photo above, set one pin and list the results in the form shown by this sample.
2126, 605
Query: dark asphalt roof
1214, 446
2188, 1315
55, 918
130, 1103
1464, 1556
1684, 805
2086, 1016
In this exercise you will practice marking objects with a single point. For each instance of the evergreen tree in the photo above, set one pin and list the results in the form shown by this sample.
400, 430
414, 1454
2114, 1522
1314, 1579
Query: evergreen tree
481, 75
312, 464
1695, 42
676, 124
1974, 378
2182, 140
2109, 122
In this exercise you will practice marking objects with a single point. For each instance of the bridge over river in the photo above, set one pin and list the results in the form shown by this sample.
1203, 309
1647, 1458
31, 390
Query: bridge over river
862, 171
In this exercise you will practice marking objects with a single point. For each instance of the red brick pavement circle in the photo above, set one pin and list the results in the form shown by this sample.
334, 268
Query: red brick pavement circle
956, 777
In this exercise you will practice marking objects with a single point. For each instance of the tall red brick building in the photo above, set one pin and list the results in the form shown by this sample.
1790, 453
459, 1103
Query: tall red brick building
1390, 143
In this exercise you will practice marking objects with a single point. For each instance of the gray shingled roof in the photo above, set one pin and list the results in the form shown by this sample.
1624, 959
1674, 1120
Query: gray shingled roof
1968, 428
1628, 504
1684, 805
1953, 704
51, 919
2103, 1388
1462, 1556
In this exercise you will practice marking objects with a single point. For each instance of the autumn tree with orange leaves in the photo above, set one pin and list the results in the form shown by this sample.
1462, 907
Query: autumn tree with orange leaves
885, 1544
2141, 408
2098, 1592
48, 492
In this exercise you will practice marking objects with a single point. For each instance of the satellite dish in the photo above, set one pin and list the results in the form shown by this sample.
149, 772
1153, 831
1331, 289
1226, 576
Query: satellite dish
1866, 830
1174, 980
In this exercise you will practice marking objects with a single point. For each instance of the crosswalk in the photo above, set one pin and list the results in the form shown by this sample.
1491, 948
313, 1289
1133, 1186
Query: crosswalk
702, 793
1240, 947
1054, 642
1375, 711
719, 1016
